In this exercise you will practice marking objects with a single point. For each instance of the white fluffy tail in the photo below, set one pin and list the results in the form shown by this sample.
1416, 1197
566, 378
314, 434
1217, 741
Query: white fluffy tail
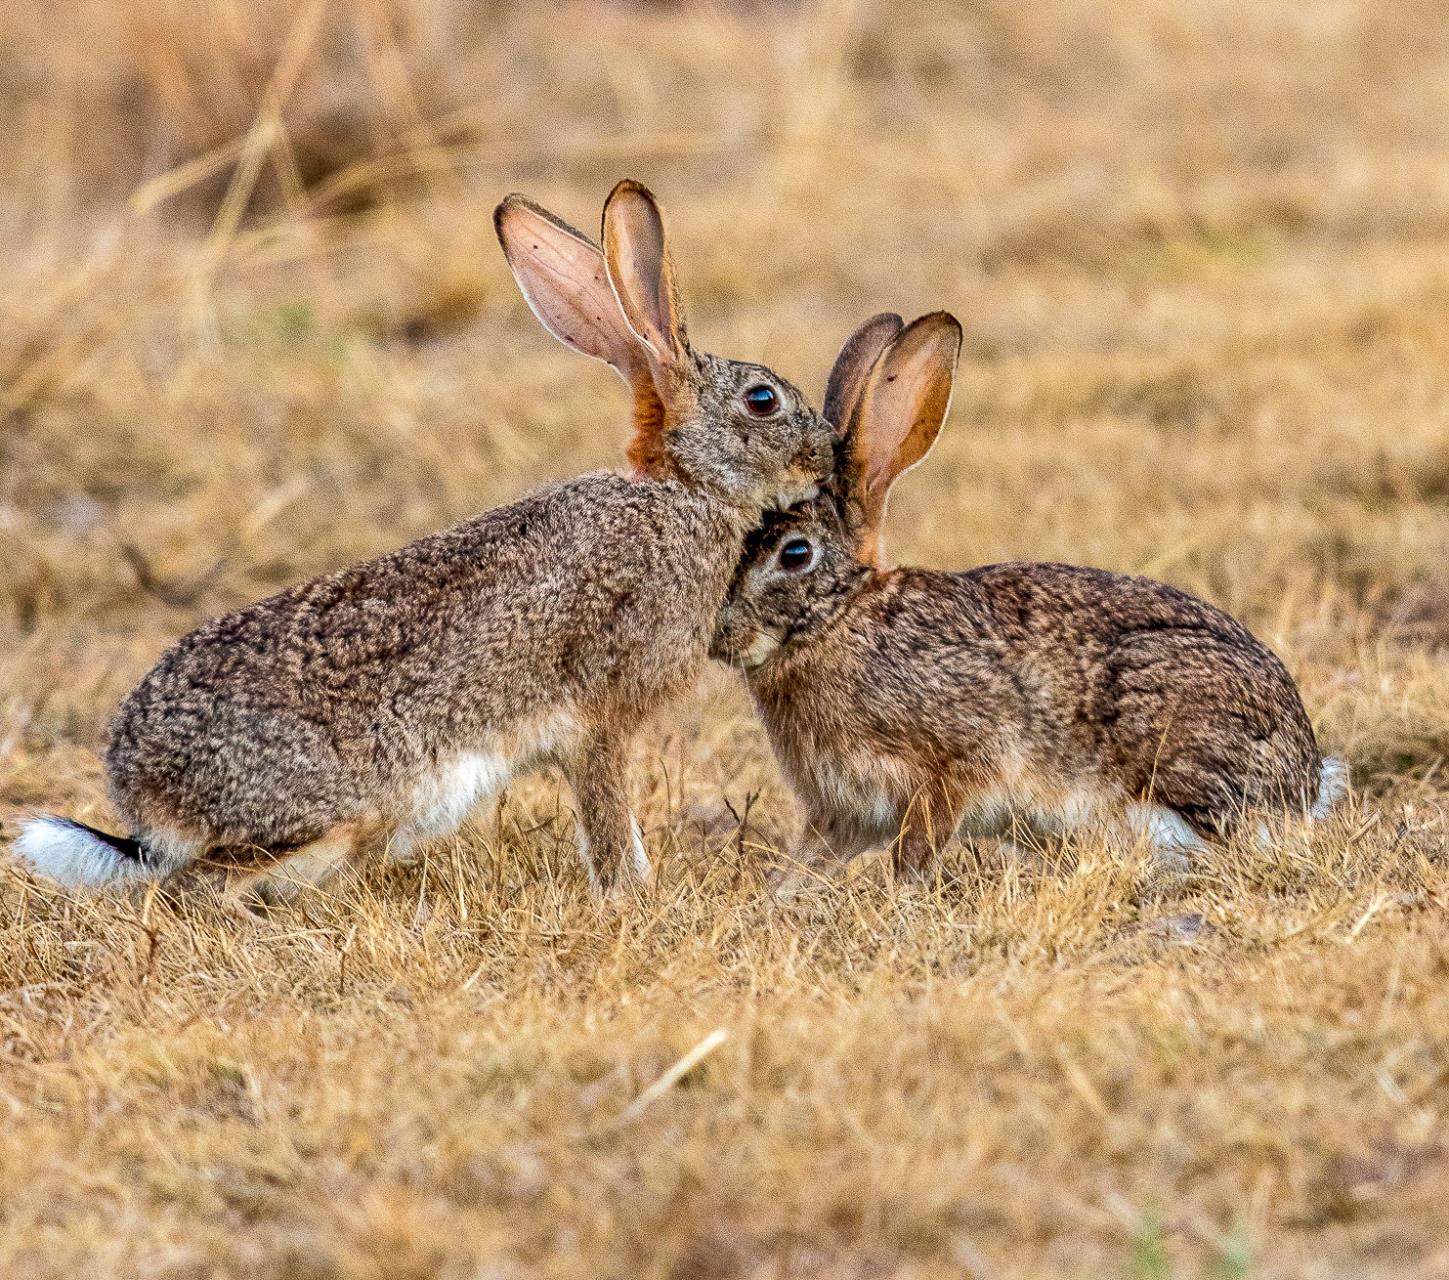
79, 856
1332, 786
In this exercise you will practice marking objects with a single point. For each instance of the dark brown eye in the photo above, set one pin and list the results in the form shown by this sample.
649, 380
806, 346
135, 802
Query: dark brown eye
796, 555
762, 400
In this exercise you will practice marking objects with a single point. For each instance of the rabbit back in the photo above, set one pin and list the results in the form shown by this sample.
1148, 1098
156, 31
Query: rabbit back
1042, 694
403, 689
1165, 695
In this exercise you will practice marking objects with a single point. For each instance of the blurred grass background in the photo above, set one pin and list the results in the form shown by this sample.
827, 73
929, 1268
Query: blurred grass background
254, 325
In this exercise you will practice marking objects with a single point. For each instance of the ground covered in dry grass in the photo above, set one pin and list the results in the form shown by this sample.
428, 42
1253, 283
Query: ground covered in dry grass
253, 325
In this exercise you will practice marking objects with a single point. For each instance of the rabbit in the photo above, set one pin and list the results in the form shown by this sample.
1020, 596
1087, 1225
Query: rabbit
905, 705
377, 706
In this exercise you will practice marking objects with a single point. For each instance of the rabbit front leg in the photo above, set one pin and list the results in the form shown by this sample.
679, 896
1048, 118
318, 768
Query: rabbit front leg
931, 819
609, 838
818, 856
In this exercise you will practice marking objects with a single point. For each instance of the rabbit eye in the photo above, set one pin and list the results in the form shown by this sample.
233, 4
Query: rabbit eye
762, 400
796, 555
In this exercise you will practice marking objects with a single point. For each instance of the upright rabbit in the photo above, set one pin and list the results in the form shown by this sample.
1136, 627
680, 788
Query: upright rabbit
381, 703
905, 705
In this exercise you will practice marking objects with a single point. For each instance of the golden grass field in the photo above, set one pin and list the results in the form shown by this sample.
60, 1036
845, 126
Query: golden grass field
254, 325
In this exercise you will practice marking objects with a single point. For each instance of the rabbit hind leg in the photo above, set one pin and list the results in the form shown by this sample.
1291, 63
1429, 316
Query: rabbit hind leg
310, 868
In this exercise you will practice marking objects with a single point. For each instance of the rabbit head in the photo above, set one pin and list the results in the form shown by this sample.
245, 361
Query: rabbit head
889, 391
735, 429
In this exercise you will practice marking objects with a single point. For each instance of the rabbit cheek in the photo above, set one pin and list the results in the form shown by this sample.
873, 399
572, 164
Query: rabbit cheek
741, 641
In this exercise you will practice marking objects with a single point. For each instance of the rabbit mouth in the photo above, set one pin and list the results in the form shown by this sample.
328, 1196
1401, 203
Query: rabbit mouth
761, 648
787, 498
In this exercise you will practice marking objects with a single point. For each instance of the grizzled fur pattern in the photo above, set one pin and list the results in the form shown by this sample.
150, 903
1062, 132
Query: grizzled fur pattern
905, 705
334, 700
380, 704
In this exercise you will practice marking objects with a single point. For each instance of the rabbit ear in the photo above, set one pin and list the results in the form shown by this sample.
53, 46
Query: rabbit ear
853, 364
903, 405
562, 276
636, 252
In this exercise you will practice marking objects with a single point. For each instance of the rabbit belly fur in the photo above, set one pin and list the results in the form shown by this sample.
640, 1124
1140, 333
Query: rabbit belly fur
442, 800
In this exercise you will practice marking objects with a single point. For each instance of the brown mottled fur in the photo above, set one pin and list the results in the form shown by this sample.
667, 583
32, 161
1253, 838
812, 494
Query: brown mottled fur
904, 703
325, 702
379, 702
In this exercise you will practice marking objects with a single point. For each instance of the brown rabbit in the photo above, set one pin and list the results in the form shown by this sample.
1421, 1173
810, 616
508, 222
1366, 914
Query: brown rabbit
905, 705
378, 705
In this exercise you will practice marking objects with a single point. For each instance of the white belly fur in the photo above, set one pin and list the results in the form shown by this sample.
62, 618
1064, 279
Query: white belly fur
441, 801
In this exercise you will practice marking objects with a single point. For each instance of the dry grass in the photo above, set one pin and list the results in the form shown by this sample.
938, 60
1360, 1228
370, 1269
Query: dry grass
255, 326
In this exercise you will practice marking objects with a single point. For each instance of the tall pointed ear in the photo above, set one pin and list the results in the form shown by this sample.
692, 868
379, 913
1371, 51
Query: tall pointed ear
562, 276
903, 405
636, 253
853, 364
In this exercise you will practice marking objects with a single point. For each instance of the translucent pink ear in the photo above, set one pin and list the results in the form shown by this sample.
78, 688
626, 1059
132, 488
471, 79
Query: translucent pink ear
902, 407
636, 251
852, 366
562, 275
636, 255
